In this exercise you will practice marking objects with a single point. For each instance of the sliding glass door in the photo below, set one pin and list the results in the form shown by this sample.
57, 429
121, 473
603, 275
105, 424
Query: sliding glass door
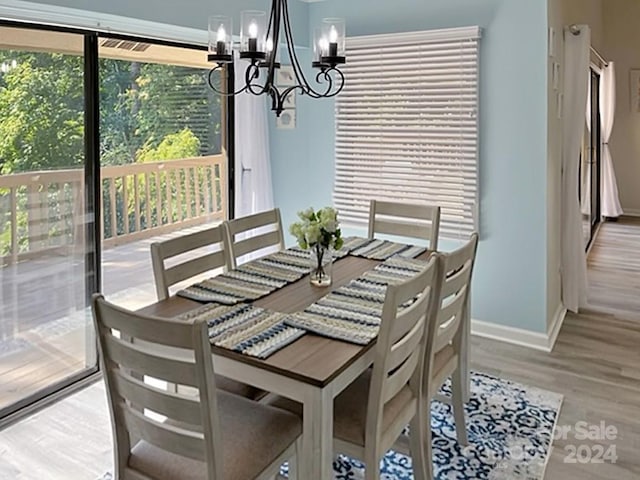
163, 164
106, 145
46, 272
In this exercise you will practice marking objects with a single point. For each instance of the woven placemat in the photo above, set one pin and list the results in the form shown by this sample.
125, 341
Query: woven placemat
352, 312
250, 330
376, 249
251, 280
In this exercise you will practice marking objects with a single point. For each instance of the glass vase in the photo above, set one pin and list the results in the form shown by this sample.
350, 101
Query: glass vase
321, 259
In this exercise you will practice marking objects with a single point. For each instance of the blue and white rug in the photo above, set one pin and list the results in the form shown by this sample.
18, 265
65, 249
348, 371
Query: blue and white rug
510, 429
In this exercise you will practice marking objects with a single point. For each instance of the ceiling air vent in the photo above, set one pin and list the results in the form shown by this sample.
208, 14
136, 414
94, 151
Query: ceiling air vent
124, 44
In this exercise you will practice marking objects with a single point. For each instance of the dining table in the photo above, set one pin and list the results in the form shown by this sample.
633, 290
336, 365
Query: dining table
312, 370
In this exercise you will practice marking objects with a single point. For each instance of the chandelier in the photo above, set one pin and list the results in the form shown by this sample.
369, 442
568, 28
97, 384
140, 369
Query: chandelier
259, 41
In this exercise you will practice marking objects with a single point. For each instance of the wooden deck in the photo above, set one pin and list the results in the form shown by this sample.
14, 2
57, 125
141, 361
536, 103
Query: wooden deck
46, 331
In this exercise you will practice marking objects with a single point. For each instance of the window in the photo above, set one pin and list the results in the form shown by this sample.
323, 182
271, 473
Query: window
406, 125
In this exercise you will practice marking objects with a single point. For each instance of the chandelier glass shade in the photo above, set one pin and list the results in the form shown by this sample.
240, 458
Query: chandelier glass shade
260, 37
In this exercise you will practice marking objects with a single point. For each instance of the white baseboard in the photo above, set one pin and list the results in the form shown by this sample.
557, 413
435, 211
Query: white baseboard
519, 336
631, 212
556, 325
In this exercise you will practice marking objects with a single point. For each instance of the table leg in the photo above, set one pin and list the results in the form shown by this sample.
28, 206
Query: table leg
317, 436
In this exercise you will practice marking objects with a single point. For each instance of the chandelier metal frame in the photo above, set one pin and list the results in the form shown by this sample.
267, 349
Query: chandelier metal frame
260, 74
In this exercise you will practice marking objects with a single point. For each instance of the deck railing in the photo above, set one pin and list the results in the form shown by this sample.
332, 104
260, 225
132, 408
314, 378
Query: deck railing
44, 211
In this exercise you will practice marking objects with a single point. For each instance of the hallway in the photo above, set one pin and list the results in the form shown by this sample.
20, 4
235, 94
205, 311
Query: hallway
595, 363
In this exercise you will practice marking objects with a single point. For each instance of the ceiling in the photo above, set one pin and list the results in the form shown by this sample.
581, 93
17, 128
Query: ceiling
34, 40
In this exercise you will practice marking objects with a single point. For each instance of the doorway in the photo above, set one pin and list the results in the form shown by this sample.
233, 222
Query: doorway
589, 185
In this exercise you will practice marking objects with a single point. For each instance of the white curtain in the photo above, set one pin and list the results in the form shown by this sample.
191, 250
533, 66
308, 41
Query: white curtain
610, 205
254, 190
576, 79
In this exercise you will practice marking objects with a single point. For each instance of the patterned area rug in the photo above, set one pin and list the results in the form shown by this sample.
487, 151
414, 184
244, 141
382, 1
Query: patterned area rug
510, 428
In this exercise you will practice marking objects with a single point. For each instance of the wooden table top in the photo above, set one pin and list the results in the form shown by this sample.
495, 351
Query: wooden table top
312, 359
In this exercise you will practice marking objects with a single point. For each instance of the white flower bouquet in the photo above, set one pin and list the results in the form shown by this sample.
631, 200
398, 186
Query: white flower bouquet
317, 228
318, 231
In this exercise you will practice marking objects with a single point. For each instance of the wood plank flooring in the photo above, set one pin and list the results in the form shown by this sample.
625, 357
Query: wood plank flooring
595, 365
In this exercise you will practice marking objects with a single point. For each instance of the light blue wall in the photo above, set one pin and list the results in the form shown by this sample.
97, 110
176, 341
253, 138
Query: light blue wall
510, 276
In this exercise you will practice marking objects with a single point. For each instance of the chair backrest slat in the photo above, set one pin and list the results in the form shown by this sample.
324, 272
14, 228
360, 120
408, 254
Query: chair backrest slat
216, 256
133, 347
450, 320
195, 266
150, 329
402, 373
178, 407
155, 364
254, 233
252, 244
405, 220
457, 279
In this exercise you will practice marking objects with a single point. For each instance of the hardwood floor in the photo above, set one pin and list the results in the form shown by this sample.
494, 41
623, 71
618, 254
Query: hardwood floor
595, 365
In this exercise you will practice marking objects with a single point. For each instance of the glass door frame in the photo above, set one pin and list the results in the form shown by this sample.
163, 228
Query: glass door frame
594, 154
51, 392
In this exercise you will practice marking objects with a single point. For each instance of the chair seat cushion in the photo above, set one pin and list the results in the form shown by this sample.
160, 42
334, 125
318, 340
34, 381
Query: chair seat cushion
350, 410
253, 436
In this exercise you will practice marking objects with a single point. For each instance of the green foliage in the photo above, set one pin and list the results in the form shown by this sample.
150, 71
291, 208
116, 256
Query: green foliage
173, 146
42, 105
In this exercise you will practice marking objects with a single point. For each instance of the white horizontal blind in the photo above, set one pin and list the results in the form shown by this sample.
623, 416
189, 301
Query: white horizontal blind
406, 125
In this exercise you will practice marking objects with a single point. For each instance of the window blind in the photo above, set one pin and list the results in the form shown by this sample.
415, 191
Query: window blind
407, 125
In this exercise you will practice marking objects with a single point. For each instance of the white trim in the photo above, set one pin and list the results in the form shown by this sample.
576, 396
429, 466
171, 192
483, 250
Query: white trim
556, 324
631, 212
515, 336
518, 336
21, 11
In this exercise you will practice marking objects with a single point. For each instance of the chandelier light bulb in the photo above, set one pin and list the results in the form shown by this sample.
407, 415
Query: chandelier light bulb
333, 34
269, 45
253, 30
222, 34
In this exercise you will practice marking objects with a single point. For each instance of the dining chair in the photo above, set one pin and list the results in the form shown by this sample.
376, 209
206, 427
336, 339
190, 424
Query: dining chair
216, 256
370, 414
251, 235
405, 220
444, 351
162, 435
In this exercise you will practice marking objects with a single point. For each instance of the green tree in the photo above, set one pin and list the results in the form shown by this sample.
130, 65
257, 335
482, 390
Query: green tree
41, 112
183, 144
